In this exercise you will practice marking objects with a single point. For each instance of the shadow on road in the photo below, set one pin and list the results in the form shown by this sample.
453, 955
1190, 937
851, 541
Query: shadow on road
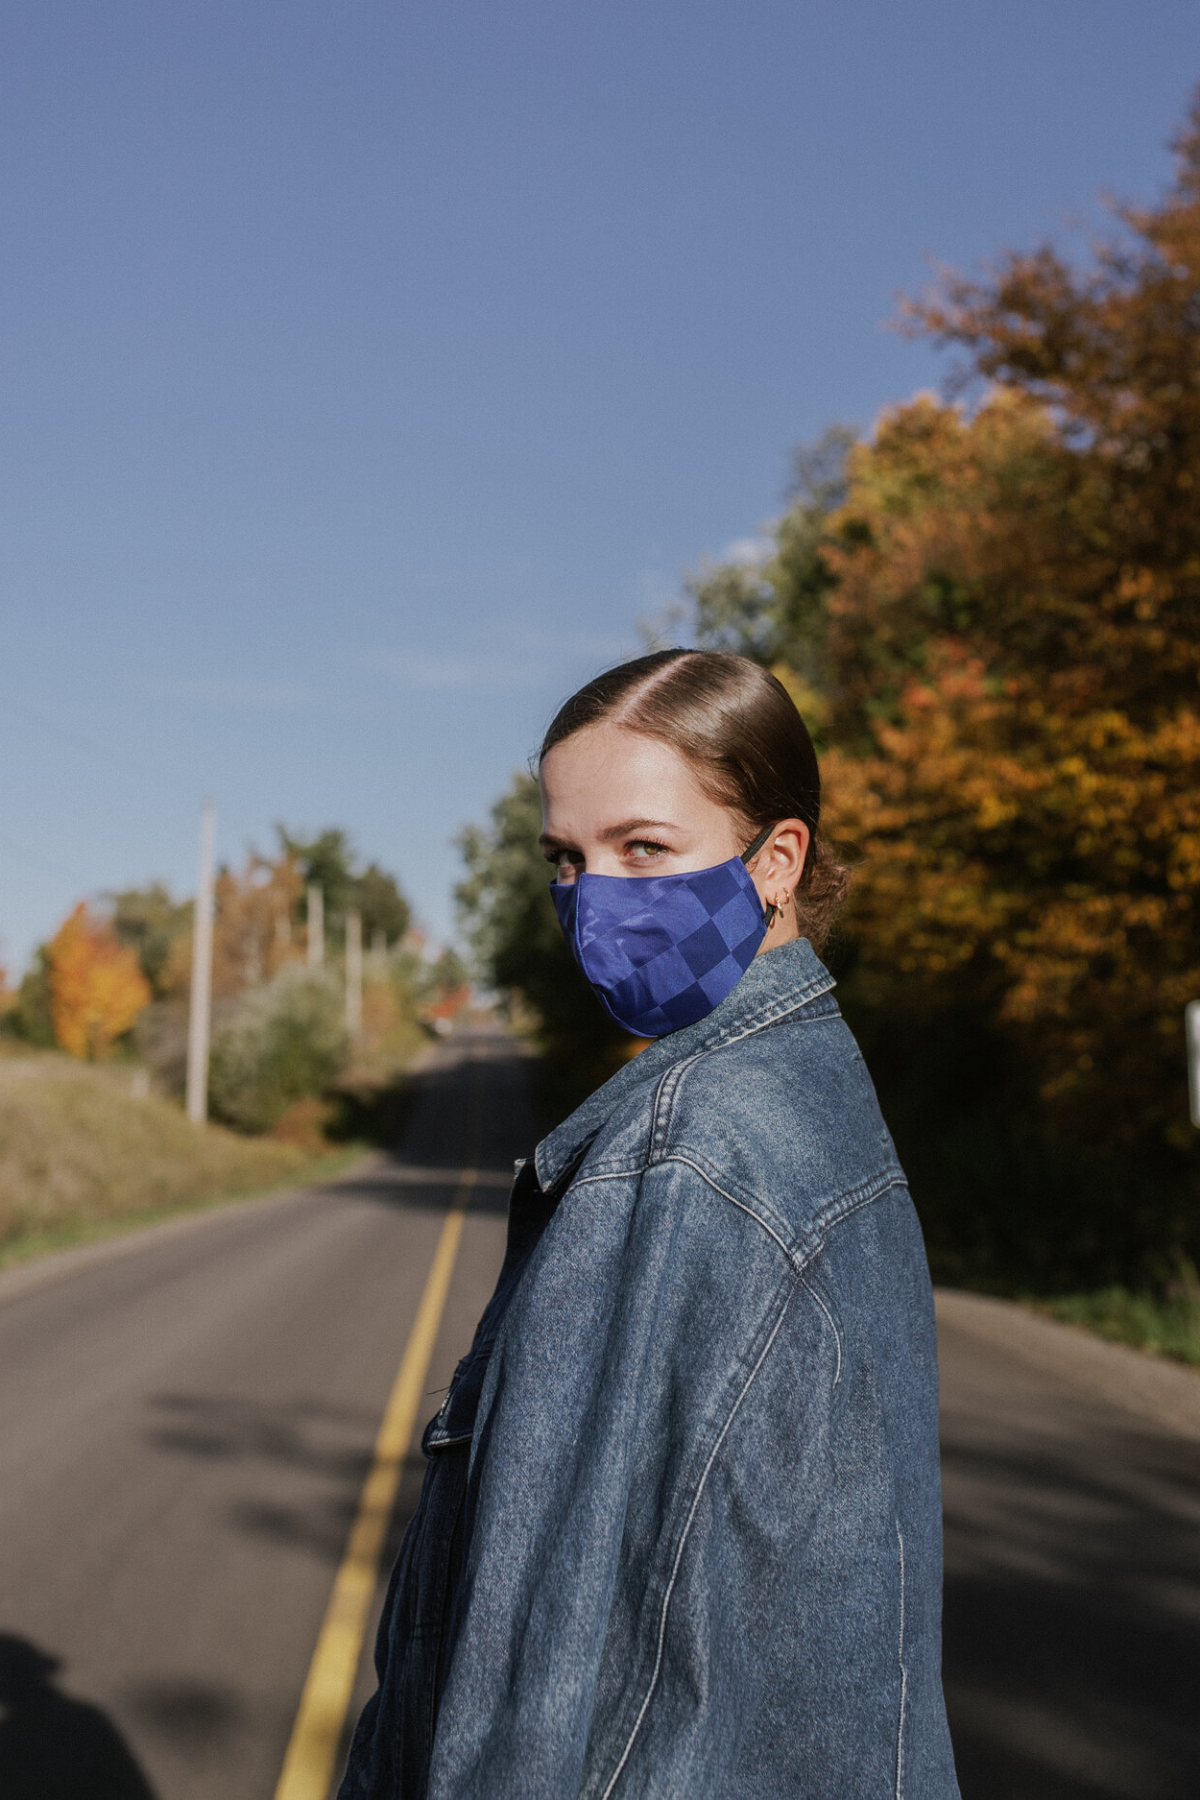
1072, 1606
313, 1440
470, 1106
53, 1747
198, 1719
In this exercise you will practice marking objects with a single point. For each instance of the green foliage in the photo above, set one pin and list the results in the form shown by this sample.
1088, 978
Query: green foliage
283, 1042
329, 861
1165, 1322
510, 922
148, 921
447, 972
382, 905
32, 1018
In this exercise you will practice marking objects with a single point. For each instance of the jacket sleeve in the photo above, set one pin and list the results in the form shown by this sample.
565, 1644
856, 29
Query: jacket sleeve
630, 1354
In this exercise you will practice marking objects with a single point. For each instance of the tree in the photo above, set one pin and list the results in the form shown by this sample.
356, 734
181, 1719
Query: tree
278, 1043
31, 1018
254, 912
1003, 662
329, 861
97, 989
1015, 641
150, 922
510, 922
383, 907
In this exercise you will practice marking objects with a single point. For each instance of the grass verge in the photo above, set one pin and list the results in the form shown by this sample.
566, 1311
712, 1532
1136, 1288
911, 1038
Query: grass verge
1166, 1324
82, 1157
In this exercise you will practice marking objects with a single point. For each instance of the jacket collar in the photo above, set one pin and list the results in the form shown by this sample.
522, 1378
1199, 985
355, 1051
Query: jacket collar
775, 984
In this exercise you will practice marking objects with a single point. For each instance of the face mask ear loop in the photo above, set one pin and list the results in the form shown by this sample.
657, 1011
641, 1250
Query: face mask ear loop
758, 843
769, 911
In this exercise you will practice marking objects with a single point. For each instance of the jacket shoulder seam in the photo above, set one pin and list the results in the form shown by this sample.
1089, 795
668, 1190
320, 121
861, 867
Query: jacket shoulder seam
678, 1156
802, 1250
669, 1081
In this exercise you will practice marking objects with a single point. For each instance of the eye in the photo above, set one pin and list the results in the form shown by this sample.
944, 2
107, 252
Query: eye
644, 850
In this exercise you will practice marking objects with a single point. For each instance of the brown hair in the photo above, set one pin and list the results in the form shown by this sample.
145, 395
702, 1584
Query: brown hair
740, 732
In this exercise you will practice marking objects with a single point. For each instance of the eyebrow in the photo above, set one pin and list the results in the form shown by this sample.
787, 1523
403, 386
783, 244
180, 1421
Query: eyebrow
615, 831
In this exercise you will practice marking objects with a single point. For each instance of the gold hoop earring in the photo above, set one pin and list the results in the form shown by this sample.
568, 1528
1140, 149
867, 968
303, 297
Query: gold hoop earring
776, 908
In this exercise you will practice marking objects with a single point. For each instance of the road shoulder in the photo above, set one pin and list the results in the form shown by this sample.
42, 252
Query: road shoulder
54, 1266
1162, 1392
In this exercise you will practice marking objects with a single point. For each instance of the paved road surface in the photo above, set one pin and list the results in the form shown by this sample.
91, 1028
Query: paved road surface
185, 1427
1072, 1495
184, 1432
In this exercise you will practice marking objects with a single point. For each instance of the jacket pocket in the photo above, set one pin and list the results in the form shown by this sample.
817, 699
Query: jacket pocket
454, 1422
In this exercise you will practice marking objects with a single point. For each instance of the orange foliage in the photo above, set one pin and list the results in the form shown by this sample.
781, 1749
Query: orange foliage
1011, 673
253, 929
97, 989
253, 934
1018, 775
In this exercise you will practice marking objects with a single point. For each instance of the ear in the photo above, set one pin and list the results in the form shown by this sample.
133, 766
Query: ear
777, 868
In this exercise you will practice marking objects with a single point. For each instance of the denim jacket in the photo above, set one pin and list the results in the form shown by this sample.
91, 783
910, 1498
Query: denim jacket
680, 1533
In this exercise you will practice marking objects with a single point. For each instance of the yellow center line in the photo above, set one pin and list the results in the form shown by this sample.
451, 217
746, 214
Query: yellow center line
308, 1767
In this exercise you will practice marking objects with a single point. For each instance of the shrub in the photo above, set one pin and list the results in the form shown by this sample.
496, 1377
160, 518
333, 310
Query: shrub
282, 1042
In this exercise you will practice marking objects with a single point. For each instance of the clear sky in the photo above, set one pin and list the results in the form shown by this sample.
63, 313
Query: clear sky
369, 370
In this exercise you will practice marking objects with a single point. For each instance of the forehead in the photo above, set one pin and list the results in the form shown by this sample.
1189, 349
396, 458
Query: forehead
607, 770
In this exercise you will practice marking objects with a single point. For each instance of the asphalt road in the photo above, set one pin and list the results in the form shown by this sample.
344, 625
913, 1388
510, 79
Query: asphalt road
187, 1417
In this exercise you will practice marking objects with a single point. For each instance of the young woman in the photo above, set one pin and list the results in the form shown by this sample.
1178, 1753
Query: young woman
680, 1534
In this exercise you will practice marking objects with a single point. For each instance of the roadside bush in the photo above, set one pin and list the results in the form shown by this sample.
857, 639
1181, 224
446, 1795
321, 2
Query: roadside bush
283, 1041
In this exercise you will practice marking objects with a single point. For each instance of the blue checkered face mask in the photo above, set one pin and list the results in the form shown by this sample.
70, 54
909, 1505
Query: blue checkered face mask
662, 950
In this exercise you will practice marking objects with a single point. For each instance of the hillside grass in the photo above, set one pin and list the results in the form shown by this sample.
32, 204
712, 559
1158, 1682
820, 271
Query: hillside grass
81, 1156
1165, 1324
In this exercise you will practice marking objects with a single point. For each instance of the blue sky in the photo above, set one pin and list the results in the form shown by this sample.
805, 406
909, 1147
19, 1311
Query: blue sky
370, 370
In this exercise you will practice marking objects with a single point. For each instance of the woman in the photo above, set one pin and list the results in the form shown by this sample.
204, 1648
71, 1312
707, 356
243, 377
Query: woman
680, 1533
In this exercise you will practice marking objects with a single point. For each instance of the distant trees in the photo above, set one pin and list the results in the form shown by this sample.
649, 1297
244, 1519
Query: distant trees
282, 1041
279, 1027
150, 923
96, 988
504, 903
328, 860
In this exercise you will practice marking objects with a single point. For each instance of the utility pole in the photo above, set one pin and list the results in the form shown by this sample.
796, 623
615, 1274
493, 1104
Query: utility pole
354, 972
1191, 1026
316, 925
200, 994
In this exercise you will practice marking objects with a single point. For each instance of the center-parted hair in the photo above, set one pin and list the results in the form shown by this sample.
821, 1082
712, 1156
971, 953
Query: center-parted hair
738, 729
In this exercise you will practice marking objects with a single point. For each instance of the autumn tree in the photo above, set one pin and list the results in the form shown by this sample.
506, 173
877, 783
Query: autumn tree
255, 914
97, 989
1021, 743
1001, 653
